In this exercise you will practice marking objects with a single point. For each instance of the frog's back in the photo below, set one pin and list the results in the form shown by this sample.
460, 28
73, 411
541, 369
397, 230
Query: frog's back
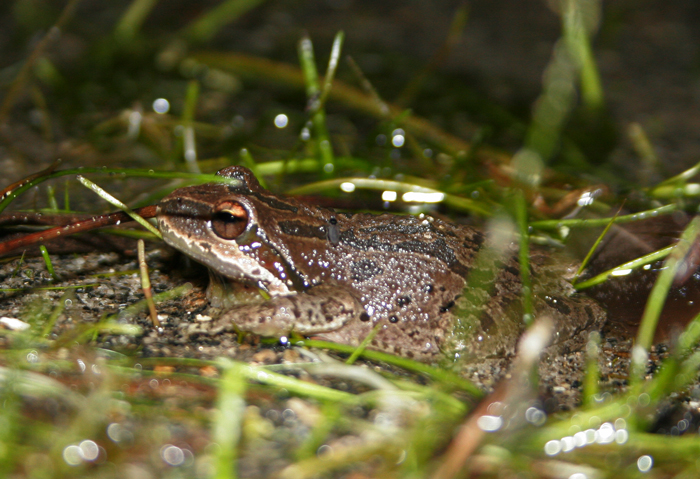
418, 277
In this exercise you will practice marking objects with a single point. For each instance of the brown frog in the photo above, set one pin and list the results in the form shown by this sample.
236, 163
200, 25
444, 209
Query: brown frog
338, 275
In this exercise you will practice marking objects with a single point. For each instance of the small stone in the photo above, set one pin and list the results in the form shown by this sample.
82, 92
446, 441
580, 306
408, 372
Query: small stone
290, 356
266, 356
13, 324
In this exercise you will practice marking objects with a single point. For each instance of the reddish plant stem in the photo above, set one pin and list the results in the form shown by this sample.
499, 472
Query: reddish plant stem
87, 225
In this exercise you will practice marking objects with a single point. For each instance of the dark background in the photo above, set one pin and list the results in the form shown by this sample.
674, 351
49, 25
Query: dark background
647, 53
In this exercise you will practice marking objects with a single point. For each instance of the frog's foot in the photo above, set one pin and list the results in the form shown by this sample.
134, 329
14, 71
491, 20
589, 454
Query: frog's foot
570, 336
317, 310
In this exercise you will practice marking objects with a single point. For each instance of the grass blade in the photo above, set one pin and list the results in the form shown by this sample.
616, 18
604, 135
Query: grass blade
12, 192
657, 298
592, 223
524, 256
211, 22
228, 419
146, 283
592, 249
626, 268
313, 94
47, 261
333, 61
188, 139
115, 202
132, 20
576, 36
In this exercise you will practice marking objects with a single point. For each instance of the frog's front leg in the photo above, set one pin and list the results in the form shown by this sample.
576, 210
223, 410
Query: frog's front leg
317, 310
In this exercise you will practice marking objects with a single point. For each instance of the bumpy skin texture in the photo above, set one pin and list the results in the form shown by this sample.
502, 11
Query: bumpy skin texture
338, 275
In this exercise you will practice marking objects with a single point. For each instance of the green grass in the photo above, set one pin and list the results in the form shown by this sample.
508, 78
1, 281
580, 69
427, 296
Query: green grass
86, 398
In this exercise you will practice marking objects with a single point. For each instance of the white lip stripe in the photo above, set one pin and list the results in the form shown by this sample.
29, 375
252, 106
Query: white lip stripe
231, 263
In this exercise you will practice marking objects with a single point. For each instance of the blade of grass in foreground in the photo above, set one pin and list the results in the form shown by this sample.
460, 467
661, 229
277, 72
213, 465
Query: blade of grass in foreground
382, 448
254, 374
363, 345
57, 310
228, 419
657, 298
680, 369
49, 288
330, 415
447, 378
524, 256
592, 373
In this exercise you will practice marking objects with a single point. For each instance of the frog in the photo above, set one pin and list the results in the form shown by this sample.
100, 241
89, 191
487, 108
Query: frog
280, 266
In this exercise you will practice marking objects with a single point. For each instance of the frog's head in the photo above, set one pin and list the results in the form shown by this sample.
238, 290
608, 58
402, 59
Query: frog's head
218, 225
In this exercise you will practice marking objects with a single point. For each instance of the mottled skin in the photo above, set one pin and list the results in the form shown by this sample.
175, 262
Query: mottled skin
337, 275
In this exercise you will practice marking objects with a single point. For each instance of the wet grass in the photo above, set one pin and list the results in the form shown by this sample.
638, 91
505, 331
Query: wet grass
71, 406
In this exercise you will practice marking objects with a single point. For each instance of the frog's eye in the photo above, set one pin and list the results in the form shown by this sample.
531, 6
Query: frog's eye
229, 220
